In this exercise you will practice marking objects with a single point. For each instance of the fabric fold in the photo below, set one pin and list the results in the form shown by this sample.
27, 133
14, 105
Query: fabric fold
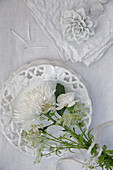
81, 31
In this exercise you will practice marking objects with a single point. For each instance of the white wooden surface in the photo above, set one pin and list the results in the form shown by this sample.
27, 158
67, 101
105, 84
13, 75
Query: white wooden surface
99, 77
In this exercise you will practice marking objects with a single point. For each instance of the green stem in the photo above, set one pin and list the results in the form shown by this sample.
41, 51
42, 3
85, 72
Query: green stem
83, 133
58, 148
59, 141
65, 127
76, 137
48, 153
109, 151
52, 140
70, 140
48, 116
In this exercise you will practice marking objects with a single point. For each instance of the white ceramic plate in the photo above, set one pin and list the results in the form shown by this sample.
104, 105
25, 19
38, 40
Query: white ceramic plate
52, 72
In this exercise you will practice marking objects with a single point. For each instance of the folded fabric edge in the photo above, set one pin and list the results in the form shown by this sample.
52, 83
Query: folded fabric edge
90, 58
99, 54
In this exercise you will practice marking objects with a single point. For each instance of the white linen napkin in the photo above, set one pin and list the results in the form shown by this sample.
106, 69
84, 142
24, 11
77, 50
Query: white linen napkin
81, 30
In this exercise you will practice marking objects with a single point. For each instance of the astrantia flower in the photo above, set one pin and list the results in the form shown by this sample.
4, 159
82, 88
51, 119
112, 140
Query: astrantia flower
67, 99
33, 102
76, 25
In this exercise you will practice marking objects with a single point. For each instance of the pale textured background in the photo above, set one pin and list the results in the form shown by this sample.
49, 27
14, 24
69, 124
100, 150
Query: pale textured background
99, 77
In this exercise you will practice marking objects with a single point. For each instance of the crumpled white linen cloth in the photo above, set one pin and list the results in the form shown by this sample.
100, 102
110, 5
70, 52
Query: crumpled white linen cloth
48, 14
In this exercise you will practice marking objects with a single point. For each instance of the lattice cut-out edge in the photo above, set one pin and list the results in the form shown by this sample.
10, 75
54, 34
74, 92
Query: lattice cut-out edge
22, 71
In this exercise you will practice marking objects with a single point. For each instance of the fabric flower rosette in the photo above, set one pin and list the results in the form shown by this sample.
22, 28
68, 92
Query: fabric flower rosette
76, 25
81, 30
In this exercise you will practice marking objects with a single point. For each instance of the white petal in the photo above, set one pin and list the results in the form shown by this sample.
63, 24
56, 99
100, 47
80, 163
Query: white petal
85, 6
68, 96
83, 23
76, 16
72, 103
60, 106
89, 23
81, 11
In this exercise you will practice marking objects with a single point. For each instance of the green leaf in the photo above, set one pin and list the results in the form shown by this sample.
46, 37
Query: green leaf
70, 150
94, 150
90, 136
60, 89
71, 109
60, 112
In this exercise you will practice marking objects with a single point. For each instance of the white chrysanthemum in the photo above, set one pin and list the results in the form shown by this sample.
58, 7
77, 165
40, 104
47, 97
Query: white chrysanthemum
76, 25
32, 102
